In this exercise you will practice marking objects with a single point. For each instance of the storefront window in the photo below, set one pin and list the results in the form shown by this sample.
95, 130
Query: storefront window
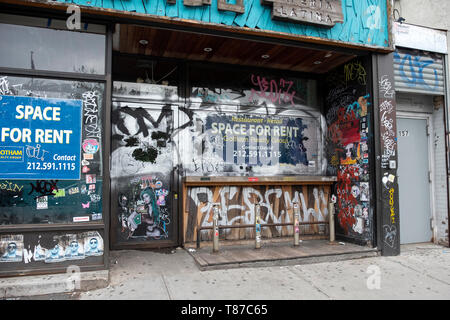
252, 121
48, 49
254, 88
56, 176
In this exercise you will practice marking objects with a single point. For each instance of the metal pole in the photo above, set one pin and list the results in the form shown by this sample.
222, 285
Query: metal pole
331, 224
215, 227
296, 224
258, 227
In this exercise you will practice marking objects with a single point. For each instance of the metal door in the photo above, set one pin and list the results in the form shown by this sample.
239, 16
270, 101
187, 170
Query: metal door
414, 180
142, 176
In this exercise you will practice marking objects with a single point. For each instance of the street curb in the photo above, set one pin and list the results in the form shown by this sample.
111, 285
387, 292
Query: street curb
28, 286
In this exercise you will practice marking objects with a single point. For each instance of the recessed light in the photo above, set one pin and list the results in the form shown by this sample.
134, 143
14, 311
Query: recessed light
317, 62
207, 49
265, 56
329, 54
143, 42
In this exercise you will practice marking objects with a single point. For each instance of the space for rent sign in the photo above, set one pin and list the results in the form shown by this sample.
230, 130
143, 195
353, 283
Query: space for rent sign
258, 139
40, 138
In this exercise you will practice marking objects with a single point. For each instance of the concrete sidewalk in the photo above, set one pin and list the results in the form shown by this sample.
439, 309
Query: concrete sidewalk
421, 272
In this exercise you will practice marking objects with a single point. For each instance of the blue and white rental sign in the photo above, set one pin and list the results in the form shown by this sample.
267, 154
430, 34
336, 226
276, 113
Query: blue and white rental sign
40, 138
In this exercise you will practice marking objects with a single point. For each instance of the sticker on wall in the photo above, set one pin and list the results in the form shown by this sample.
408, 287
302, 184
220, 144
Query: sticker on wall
91, 178
355, 191
161, 194
74, 190
56, 253
85, 162
93, 244
311, 164
11, 248
85, 169
364, 147
85, 205
81, 219
95, 198
90, 146
59, 193
42, 202
75, 248
83, 189
96, 216
88, 156
364, 188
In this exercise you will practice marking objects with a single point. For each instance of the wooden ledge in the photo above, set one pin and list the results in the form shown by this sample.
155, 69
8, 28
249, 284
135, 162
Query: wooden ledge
258, 180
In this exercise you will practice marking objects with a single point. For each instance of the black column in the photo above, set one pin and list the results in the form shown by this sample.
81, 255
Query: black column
388, 220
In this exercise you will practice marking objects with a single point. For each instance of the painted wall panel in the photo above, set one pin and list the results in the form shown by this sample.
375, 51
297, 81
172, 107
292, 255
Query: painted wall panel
365, 21
238, 205
349, 107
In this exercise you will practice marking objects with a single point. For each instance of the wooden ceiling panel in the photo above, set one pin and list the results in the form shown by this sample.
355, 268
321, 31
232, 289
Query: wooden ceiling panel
190, 46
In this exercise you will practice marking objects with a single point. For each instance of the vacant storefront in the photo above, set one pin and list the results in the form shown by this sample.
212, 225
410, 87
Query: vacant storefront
171, 120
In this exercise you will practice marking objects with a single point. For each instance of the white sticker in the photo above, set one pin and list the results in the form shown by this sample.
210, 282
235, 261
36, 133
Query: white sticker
81, 219
42, 203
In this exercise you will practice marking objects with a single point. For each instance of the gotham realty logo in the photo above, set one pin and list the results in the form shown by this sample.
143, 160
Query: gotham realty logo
11, 154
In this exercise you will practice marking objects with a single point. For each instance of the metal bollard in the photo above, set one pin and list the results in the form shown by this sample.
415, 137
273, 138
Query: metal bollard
296, 224
258, 227
215, 227
331, 224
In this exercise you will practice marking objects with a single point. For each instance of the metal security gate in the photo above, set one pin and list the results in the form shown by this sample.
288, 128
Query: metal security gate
419, 72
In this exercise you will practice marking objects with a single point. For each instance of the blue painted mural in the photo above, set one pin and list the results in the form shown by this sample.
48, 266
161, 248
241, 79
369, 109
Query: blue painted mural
365, 21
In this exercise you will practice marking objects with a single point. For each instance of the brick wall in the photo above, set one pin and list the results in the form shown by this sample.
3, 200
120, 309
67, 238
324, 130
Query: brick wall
440, 178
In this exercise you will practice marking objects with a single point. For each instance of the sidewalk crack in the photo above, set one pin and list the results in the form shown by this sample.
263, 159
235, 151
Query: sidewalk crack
167, 288
310, 282
421, 272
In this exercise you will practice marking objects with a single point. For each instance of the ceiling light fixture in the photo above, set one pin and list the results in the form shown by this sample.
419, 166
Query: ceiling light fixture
143, 42
329, 54
317, 62
207, 49
265, 56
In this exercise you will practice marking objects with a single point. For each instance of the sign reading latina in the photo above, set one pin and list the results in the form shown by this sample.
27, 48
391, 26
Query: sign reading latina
325, 13
40, 138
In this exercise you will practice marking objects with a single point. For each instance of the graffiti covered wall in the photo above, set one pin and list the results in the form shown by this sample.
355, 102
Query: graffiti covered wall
259, 124
237, 207
141, 170
348, 113
55, 200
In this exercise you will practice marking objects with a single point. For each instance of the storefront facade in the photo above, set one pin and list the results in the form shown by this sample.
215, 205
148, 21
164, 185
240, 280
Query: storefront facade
421, 87
176, 107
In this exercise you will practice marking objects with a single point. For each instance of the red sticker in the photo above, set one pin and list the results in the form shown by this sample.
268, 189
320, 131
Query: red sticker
252, 179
